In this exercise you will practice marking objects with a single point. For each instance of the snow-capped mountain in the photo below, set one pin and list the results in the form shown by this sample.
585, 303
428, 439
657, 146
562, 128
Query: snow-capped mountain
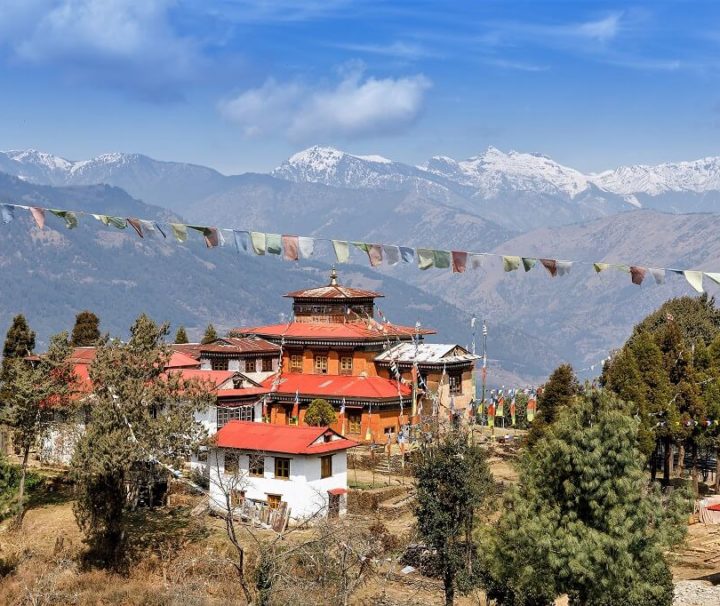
494, 172
698, 176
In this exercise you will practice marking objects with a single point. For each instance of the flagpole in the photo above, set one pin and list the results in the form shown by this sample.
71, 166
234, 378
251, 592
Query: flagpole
484, 363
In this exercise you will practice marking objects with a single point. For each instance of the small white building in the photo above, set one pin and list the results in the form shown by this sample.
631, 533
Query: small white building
304, 468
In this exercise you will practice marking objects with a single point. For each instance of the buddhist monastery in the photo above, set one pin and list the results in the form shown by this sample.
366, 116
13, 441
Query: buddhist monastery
379, 376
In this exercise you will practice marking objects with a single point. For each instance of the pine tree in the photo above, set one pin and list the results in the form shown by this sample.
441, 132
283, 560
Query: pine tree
19, 342
210, 335
181, 336
453, 482
33, 389
582, 519
139, 414
86, 331
320, 413
559, 392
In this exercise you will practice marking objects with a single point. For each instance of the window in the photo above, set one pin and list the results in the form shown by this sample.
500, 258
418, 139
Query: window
354, 418
321, 364
326, 466
219, 363
257, 465
239, 413
231, 463
456, 384
273, 500
282, 468
346, 364
250, 365
267, 364
236, 497
296, 363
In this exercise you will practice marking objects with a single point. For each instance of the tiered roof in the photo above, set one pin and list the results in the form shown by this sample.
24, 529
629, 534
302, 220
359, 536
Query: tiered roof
338, 386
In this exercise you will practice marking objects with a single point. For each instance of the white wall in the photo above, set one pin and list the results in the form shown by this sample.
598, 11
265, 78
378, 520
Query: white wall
305, 492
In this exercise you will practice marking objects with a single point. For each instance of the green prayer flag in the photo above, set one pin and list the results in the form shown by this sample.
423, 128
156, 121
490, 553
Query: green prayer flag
511, 263
179, 231
342, 250
363, 246
273, 243
70, 218
259, 242
118, 222
528, 263
425, 258
601, 267
441, 259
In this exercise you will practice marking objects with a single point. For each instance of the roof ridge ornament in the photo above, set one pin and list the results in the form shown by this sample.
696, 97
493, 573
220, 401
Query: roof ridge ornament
333, 277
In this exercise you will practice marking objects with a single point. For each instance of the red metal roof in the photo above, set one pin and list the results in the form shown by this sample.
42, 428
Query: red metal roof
334, 291
86, 355
215, 377
339, 386
181, 360
189, 349
240, 345
285, 439
329, 331
337, 491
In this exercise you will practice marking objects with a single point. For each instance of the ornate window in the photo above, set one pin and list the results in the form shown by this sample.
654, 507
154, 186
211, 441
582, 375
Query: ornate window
346, 365
321, 364
219, 363
296, 363
239, 413
455, 384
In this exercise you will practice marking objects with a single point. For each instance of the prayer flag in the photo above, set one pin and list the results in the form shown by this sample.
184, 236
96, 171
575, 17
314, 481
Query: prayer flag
375, 254
258, 241
531, 408
290, 245
715, 277
342, 250
425, 258
70, 218
476, 260
563, 267
179, 231
459, 261
151, 228
209, 233
407, 254
39, 215
118, 222
273, 244
363, 246
136, 225
306, 247
528, 263
695, 279
550, 265
637, 274
7, 211
441, 259
658, 274
600, 267
511, 263
296, 405
391, 254
242, 241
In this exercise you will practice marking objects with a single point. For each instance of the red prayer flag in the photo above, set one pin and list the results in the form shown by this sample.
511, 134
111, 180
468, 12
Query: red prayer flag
459, 261
291, 246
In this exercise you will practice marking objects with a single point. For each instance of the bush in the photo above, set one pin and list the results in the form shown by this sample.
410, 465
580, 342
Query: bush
320, 413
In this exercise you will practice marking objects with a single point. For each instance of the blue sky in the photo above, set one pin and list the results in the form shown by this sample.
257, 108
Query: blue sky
242, 84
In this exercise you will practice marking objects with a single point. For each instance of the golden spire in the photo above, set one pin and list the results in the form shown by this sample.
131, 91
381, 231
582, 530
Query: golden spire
333, 276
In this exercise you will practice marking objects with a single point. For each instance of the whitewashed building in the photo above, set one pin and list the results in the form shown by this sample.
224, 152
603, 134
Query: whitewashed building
301, 468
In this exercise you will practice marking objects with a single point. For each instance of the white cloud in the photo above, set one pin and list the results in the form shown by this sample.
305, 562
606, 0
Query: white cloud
356, 107
121, 43
398, 49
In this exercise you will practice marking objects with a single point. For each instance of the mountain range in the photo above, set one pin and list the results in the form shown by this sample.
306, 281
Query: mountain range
512, 203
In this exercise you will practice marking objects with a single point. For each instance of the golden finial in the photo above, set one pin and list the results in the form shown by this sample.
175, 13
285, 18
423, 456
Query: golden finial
333, 277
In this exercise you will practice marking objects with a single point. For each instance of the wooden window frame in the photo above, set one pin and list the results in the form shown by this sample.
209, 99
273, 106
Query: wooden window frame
349, 369
352, 417
230, 457
273, 500
252, 361
318, 366
267, 364
282, 465
326, 467
255, 469
455, 384
295, 357
219, 363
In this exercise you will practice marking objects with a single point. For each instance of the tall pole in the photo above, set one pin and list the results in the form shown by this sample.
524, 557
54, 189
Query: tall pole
484, 364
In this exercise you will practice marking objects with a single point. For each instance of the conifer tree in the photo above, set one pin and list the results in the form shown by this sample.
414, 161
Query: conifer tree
34, 389
583, 520
210, 335
19, 342
453, 482
559, 392
140, 416
320, 413
86, 331
181, 336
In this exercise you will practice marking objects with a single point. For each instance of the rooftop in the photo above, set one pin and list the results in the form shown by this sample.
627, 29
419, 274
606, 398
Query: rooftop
240, 345
285, 439
334, 331
426, 353
339, 386
334, 291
